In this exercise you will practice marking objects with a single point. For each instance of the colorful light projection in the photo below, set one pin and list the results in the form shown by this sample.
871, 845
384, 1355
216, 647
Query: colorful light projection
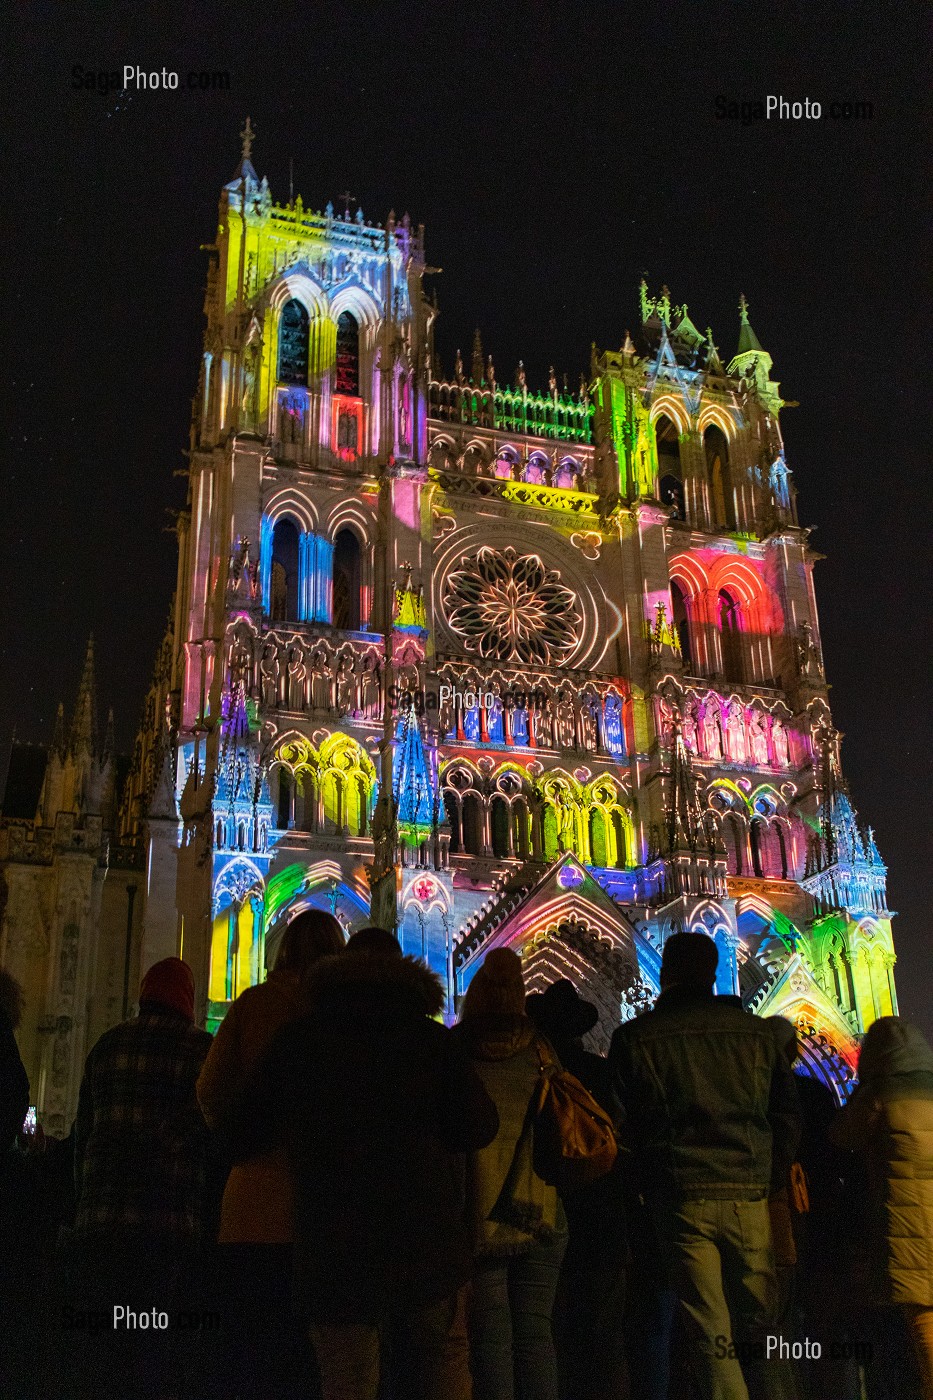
413, 785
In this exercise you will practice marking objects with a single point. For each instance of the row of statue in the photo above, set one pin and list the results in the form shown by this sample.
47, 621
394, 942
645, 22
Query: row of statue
731, 732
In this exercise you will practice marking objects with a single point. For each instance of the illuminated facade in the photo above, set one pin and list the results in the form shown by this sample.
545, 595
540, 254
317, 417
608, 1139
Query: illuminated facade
489, 665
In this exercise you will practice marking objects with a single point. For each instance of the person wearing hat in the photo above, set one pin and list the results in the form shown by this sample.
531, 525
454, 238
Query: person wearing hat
589, 1314
141, 1174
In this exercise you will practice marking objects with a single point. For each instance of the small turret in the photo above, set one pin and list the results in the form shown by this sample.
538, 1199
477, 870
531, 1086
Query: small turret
750, 354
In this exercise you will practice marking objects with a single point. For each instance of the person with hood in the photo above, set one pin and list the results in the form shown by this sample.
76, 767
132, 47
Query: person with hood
590, 1310
377, 1104
141, 1173
705, 1091
889, 1120
256, 1227
518, 1222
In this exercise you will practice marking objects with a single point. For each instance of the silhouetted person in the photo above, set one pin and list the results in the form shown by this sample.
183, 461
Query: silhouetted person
519, 1226
590, 1311
17, 1312
14, 1082
378, 1103
261, 1355
141, 1160
703, 1088
889, 1121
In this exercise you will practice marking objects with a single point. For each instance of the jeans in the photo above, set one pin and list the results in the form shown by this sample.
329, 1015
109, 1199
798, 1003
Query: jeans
721, 1269
433, 1343
511, 1342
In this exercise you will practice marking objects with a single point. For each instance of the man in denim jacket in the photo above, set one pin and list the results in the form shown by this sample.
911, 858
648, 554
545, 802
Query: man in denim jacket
704, 1091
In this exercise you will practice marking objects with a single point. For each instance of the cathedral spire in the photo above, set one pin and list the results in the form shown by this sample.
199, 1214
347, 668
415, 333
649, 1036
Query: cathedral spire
245, 171
751, 357
748, 340
84, 724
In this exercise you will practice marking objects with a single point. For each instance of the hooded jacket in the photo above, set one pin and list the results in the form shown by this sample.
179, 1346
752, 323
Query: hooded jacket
376, 1103
889, 1119
510, 1205
704, 1088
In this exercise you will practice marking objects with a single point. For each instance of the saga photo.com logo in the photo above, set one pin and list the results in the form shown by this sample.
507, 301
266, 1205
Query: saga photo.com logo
783, 109
132, 78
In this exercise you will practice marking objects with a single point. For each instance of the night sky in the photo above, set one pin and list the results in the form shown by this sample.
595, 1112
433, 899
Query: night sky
554, 153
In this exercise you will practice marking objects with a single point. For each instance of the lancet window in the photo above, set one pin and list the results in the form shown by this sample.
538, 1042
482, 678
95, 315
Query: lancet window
294, 327
347, 378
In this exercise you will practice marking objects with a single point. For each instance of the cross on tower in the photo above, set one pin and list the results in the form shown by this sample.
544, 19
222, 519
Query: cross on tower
346, 197
247, 135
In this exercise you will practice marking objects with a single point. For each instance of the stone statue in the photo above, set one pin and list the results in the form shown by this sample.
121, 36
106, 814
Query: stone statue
712, 730
689, 726
344, 686
779, 744
268, 671
588, 726
758, 739
735, 729
564, 726
320, 682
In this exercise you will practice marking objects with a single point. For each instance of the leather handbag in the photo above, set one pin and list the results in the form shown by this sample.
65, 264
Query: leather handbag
574, 1139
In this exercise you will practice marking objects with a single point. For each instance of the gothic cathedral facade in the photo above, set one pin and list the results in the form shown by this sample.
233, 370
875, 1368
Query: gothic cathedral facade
484, 664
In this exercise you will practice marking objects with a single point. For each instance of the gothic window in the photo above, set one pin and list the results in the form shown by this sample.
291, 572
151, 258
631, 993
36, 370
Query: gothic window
598, 848
733, 835
521, 843
452, 807
286, 799
348, 355
780, 849
759, 834
472, 824
670, 472
500, 827
293, 344
346, 581
566, 474
347, 433
362, 796
717, 464
308, 792
284, 590
730, 628
681, 625
618, 827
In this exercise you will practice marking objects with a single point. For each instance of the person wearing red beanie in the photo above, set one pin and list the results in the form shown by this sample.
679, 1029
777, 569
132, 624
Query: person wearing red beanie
169, 983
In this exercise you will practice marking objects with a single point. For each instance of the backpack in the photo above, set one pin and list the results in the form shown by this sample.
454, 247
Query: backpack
574, 1139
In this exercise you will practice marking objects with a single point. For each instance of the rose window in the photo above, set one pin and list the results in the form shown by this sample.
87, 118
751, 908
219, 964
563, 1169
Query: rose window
510, 607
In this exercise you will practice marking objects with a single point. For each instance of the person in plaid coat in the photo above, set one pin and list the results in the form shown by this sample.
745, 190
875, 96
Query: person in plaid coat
143, 1191
140, 1139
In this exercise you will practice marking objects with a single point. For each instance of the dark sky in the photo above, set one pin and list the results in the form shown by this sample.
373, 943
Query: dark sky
554, 153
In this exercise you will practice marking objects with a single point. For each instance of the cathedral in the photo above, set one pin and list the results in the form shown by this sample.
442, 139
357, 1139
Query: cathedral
486, 664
